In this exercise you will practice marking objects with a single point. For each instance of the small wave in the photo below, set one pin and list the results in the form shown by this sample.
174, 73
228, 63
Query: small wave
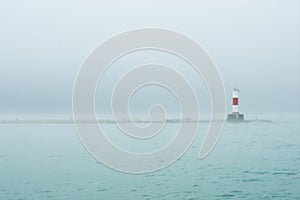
251, 180
255, 172
285, 173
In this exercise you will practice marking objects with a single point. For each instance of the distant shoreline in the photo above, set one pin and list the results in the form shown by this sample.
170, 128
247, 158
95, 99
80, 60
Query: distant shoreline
71, 121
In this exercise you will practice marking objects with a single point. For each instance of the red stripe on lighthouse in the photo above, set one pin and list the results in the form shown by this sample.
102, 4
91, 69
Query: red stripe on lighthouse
235, 101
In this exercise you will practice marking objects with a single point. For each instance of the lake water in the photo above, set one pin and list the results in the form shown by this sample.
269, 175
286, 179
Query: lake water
251, 161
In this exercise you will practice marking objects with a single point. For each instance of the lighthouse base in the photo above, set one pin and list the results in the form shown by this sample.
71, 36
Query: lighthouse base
235, 117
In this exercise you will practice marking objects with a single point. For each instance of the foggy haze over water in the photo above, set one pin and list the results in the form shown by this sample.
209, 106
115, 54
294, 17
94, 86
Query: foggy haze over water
255, 45
53, 145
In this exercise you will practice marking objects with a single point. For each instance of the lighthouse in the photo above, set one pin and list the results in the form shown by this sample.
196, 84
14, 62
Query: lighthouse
235, 115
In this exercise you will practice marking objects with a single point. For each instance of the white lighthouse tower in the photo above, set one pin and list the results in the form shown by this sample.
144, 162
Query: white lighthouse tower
235, 115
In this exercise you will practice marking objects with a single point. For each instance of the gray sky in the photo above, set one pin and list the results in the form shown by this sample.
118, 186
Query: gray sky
255, 44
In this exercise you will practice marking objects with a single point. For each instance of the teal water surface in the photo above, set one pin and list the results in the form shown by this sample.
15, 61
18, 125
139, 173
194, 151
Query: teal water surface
251, 161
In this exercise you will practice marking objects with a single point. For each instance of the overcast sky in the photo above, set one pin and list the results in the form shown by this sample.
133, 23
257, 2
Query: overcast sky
254, 43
